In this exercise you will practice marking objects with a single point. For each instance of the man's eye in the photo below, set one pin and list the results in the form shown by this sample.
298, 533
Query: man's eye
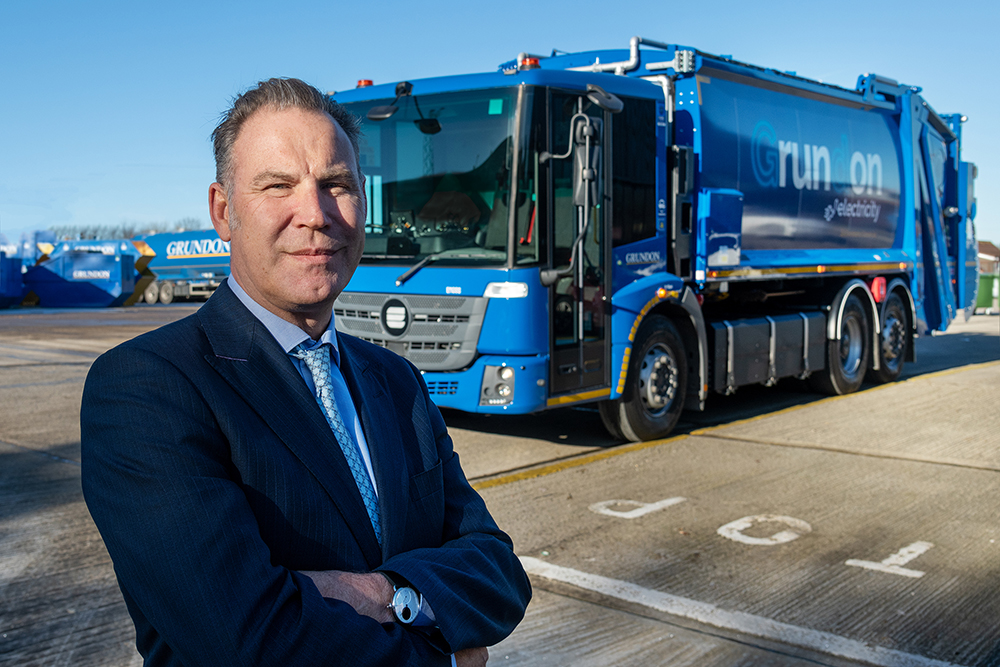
338, 187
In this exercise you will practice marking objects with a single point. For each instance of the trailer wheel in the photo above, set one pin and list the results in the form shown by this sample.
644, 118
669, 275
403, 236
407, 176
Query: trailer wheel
892, 341
151, 293
654, 393
166, 293
846, 359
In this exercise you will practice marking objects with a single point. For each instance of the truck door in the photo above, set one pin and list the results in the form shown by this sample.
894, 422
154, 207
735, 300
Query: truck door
939, 251
577, 297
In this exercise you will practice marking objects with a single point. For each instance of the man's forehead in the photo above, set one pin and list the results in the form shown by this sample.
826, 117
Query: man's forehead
270, 133
288, 122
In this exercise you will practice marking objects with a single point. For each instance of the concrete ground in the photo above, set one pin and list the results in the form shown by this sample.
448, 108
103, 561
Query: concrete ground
798, 485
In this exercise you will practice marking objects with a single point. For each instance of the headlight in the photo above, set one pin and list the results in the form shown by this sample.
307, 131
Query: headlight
506, 290
497, 387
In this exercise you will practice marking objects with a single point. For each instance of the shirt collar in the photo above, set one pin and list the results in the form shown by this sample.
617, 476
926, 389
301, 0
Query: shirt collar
285, 333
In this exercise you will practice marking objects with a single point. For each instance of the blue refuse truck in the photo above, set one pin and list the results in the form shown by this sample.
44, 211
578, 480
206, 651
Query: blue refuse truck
185, 265
637, 228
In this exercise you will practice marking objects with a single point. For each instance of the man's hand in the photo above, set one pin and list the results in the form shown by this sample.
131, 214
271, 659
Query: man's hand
472, 657
369, 594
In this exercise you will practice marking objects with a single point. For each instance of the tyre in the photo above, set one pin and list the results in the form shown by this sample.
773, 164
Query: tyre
655, 388
847, 359
152, 292
609, 417
892, 341
166, 293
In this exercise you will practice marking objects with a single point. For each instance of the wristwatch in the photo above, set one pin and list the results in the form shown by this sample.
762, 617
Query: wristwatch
405, 603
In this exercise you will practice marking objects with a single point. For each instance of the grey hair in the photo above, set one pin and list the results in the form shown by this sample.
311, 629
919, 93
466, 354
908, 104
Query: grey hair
277, 94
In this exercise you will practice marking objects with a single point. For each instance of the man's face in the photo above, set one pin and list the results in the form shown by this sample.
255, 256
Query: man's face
294, 213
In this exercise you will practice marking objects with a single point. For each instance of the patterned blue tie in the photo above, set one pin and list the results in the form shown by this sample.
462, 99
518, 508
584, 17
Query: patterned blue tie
318, 362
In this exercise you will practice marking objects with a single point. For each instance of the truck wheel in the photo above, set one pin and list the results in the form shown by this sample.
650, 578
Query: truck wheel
846, 359
654, 393
151, 293
609, 417
892, 341
166, 293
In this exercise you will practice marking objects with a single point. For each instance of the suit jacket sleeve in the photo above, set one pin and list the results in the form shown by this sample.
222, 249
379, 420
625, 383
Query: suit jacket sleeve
166, 489
473, 581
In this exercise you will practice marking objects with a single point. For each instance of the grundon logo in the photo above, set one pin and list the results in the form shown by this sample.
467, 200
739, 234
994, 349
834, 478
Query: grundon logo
777, 164
201, 248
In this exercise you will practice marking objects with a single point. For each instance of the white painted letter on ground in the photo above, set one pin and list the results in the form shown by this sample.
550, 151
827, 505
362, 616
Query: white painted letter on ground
734, 529
894, 563
641, 509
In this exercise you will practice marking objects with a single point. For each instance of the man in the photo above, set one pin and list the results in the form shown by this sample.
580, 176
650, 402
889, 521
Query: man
263, 484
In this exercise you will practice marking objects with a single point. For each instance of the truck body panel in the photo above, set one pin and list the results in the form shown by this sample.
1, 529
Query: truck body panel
11, 283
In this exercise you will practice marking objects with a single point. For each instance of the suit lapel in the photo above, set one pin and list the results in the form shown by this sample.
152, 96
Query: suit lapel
250, 360
385, 443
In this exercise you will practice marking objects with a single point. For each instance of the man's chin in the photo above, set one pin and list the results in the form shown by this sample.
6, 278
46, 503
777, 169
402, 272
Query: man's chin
315, 298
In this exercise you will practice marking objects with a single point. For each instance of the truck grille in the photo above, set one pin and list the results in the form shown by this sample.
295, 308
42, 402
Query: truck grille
442, 388
440, 335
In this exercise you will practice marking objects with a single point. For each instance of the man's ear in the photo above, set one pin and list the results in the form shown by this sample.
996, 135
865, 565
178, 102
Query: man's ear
218, 208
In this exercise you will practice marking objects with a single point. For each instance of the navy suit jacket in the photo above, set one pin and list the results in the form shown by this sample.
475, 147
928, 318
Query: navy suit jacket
214, 478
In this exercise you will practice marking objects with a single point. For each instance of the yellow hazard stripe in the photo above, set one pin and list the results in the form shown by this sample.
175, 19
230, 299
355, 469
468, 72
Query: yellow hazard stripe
576, 398
661, 294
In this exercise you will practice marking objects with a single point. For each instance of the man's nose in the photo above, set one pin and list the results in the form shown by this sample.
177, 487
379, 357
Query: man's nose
312, 206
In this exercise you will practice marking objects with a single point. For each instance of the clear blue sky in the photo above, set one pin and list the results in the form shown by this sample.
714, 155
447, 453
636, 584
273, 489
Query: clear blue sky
106, 106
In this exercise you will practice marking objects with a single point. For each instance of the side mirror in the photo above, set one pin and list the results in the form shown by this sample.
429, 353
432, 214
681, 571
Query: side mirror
605, 100
549, 277
382, 112
428, 125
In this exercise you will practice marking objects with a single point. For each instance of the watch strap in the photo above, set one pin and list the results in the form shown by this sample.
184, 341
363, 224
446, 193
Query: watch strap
407, 605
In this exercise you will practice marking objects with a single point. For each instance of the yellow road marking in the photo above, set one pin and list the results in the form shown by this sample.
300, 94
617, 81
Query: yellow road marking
638, 446
573, 462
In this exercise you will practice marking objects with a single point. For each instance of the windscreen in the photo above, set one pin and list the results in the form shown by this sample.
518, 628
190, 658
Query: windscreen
438, 173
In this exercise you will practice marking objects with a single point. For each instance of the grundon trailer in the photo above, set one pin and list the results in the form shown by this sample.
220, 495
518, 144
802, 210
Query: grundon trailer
93, 273
185, 265
637, 228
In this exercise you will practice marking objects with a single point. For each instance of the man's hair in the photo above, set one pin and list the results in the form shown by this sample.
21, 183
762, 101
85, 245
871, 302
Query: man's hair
276, 94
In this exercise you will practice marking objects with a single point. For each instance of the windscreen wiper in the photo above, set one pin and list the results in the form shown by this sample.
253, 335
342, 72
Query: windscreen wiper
433, 258
416, 267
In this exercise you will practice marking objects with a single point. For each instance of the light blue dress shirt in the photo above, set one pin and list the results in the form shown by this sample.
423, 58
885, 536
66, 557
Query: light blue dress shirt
289, 337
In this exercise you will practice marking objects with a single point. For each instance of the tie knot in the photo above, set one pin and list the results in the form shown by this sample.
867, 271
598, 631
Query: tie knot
300, 351
317, 360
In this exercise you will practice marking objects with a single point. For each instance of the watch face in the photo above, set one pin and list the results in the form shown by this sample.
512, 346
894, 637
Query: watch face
405, 604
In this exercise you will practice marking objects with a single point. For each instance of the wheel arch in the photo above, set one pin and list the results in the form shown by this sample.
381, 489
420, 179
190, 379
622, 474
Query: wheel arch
681, 307
900, 286
834, 322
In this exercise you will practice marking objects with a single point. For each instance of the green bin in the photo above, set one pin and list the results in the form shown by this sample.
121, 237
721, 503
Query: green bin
989, 293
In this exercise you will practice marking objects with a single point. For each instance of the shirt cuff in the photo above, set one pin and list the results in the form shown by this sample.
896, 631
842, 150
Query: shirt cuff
425, 616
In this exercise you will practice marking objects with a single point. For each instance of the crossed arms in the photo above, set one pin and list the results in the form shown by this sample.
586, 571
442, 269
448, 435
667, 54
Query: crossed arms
229, 551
